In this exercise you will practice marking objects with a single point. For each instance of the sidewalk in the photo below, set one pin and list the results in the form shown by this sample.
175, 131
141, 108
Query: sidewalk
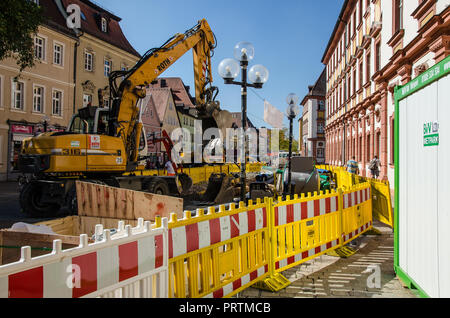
331, 277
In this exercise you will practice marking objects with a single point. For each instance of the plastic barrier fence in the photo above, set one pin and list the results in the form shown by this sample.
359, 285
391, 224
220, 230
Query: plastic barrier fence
130, 264
305, 228
202, 174
218, 254
356, 212
380, 191
212, 254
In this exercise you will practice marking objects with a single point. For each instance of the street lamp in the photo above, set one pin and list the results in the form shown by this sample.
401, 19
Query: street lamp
292, 111
258, 75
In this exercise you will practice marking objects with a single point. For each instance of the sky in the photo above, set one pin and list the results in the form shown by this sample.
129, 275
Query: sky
289, 36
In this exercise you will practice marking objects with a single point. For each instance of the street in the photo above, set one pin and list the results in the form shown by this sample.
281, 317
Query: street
10, 206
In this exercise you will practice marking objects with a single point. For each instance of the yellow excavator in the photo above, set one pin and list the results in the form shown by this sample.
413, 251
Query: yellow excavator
102, 145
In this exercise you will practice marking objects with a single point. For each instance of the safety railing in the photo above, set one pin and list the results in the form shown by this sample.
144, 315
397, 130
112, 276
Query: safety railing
218, 254
215, 253
132, 263
304, 228
380, 191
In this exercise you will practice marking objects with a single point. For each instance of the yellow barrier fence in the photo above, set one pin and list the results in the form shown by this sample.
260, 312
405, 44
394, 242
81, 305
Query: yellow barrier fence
304, 228
356, 212
202, 174
218, 254
380, 191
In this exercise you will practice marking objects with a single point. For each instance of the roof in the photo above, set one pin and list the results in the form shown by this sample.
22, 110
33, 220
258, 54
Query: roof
336, 27
90, 22
237, 119
180, 92
318, 89
160, 98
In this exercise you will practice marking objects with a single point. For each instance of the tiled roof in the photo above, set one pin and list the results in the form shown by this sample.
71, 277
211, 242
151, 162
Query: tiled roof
179, 90
90, 22
318, 89
160, 98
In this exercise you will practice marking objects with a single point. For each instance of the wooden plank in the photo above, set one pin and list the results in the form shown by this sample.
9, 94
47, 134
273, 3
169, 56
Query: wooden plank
63, 226
126, 204
87, 224
13, 241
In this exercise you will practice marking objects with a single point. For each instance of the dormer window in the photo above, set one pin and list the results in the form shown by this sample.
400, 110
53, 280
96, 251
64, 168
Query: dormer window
104, 25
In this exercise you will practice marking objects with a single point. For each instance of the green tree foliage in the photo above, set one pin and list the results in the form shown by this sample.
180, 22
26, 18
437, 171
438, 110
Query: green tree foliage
19, 21
284, 141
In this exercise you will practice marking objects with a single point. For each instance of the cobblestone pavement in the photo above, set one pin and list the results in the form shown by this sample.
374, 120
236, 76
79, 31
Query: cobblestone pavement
353, 277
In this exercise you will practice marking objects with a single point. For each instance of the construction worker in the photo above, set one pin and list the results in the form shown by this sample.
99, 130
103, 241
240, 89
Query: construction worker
169, 167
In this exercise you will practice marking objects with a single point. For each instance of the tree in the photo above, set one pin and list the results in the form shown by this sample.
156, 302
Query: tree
284, 141
19, 21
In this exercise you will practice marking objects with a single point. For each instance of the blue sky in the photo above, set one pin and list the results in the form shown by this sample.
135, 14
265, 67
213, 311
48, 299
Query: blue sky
289, 37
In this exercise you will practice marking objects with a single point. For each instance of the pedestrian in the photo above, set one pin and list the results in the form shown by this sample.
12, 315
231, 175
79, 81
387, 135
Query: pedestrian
374, 167
170, 169
352, 166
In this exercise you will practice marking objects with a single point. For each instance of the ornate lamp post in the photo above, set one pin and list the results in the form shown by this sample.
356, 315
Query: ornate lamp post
292, 111
258, 75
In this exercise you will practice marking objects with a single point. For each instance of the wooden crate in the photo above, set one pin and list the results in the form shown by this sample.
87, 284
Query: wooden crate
107, 202
11, 243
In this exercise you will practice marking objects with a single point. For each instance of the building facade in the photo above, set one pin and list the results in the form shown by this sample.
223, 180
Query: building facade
70, 69
312, 141
101, 48
375, 46
40, 98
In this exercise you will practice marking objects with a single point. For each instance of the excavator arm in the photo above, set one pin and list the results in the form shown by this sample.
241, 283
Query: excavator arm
124, 114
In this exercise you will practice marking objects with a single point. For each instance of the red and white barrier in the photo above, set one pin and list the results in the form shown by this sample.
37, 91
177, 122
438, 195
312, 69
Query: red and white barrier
356, 198
192, 237
290, 213
133, 263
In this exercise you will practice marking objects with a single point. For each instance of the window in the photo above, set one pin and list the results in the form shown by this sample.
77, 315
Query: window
378, 56
18, 95
398, 15
368, 68
320, 128
107, 69
57, 103
361, 75
106, 102
58, 54
39, 48
354, 80
38, 99
88, 61
321, 105
104, 25
320, 153
87, 99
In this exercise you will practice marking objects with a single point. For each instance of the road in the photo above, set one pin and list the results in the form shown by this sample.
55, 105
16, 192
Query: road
10, 207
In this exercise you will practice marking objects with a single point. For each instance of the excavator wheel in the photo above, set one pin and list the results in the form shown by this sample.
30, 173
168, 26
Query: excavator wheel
158, 186
30, 202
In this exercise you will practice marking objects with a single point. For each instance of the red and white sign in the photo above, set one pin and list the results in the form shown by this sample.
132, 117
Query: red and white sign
21, 129
94, 142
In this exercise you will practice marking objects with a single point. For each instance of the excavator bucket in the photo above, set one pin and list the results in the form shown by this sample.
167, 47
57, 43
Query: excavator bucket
220, 189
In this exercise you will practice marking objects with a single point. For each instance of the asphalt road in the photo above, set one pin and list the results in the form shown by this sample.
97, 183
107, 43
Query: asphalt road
10, 206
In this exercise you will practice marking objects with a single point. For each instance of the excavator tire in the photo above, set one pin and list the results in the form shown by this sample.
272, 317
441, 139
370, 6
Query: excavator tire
31, 205
158, 186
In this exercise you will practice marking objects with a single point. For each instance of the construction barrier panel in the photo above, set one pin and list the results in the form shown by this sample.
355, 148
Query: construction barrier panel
356, 212
129, 264
218, 254
214, 253
380, 190
202, 174
304, 228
